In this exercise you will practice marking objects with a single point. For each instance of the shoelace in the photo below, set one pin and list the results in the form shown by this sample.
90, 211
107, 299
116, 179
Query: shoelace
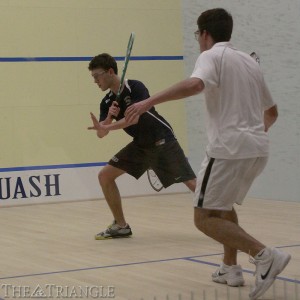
253, 261
108, 228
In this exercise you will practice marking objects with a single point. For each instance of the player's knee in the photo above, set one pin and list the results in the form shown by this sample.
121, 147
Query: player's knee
198, 218
100, 177
103, 178
199, 225
106, 176
201, 218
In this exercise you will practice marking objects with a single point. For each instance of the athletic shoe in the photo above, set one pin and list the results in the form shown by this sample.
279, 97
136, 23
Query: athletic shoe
114, 231
230, 275
269, 263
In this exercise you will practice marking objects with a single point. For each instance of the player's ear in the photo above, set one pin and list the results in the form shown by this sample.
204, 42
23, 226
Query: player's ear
111, 71
204, 33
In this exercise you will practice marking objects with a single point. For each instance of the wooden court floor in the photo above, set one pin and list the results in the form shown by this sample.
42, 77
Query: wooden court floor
48, 251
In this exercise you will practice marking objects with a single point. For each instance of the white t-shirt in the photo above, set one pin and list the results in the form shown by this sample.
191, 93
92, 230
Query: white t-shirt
236, 97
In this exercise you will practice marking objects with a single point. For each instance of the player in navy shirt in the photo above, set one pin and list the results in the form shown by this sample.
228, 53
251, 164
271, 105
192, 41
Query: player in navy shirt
151, 126
154, 144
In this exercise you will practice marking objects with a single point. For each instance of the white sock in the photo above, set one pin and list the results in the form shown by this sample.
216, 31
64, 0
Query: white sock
226, 267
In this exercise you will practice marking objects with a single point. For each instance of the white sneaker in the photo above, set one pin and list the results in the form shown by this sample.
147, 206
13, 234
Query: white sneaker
230, 275
269, 263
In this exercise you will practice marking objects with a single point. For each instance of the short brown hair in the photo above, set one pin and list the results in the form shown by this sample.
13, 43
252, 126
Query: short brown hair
104, 61
218, 23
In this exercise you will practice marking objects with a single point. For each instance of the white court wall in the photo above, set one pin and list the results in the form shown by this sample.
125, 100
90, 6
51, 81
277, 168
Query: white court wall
272, 29
46, 95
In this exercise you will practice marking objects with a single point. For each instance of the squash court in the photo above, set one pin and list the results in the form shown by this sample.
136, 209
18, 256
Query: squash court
49, 250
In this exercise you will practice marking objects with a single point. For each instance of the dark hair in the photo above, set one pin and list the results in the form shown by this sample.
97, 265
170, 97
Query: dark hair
104, 61
217, 22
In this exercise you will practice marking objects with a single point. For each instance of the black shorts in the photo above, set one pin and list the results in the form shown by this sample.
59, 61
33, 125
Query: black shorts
167, 160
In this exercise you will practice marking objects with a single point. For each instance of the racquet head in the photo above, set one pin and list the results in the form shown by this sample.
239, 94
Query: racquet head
154, 180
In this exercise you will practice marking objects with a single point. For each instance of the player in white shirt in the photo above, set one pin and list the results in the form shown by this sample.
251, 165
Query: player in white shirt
240, 112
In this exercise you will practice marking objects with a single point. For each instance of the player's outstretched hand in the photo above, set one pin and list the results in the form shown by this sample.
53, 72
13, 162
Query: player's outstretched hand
100, 128
135, 110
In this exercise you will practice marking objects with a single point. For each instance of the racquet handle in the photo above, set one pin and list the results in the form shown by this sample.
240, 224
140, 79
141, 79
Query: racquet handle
117, 105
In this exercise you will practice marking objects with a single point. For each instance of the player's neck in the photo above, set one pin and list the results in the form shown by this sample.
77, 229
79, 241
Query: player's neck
115, 85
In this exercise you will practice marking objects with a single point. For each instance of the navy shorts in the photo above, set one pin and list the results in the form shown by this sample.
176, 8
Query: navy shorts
167, 160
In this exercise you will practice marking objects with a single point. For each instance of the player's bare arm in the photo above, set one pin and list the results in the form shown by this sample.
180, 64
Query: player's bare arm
182, 89
121, 124
270, 117
103, 129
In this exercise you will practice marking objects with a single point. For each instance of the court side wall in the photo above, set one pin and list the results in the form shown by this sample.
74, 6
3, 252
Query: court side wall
272, 29
47, 93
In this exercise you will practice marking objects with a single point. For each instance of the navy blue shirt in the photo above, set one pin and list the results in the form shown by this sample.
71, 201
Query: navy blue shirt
151, 127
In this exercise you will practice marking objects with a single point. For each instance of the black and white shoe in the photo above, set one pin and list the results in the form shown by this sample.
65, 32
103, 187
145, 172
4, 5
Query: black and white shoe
230, 275
114, 231
269, 263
